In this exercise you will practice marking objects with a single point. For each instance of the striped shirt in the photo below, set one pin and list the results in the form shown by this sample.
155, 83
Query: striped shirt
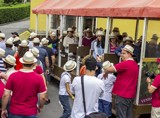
2, 69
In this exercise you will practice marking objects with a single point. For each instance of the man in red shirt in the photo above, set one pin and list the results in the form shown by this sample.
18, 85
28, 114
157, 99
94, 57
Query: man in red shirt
126, 83
25, 85
154, 88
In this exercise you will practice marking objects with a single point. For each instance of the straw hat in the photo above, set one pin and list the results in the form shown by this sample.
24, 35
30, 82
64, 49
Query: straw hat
36, 40
24, 43
53, 34
44, 41
28, 58
33, 34
9, 41
128, 48
128, 38
64, 33
106, 65
2, 35
100, 33
10, 60
69, 65
35, 52
88, 30
16, 39
155, 37
115, 29
112, 36
2, 53
69, 30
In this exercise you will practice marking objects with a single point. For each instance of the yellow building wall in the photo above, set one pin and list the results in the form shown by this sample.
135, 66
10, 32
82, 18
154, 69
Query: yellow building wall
41, 17
129, 25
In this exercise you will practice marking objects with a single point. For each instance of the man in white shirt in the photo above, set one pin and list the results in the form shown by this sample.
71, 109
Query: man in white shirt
93, 87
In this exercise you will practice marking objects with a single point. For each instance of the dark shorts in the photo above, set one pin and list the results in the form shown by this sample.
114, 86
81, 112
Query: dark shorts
19, 116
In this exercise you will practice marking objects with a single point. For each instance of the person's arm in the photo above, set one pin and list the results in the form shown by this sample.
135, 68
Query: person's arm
118, 51
151, 89
42, 100
3, 76
5, 100
47, 64
53, 60
68, 90
65, 44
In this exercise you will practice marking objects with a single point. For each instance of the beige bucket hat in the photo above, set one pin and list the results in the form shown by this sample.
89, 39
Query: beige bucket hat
100, 33
35, 52
16, 39
2, 35
33, 34
2, 53
28, 58
9, 41
10, 60
24, 43
106, 65
69, 30
44, 41
36, 40
128, 38
69, 65
128, 48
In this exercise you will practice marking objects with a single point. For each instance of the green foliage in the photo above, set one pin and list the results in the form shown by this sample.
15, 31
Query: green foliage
12, 1
14, 13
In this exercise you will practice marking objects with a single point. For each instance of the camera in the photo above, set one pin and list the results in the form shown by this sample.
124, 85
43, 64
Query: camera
150, 75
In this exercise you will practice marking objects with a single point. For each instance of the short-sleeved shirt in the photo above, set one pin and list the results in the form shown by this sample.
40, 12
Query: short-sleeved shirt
25, 86
50, 53
87, 41
1, 88
94, 88
65, 78
127, 78
38, 69
42, 55
108, 82
156, 93
18, 63
9, 51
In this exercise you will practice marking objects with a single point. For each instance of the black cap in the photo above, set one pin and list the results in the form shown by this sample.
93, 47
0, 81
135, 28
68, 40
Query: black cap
15, 33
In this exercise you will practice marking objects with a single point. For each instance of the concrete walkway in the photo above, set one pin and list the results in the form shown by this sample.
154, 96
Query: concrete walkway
19, 26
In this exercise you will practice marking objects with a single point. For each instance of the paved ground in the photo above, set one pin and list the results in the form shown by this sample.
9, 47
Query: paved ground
19, 27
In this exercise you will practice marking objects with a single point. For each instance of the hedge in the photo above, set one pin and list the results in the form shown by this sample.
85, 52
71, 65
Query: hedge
14, 13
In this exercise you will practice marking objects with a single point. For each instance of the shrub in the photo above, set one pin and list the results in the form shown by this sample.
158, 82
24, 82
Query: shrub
14, 13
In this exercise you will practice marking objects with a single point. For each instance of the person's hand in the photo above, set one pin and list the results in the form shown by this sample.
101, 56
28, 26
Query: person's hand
4, 114
148, 80
3, 75
47, 71
98, 59
39, 109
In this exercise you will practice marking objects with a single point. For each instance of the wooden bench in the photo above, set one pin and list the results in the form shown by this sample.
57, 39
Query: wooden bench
72, 50
113, 58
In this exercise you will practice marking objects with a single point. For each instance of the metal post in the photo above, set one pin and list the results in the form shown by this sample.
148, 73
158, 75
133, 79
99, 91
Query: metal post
145, 28
61, 33
107, 35
47, 25
93, 20
136, 30
76, 24
80, 31
96, 23
36, 28
78, 65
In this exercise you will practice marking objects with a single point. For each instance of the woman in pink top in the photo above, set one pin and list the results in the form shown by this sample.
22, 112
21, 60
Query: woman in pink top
113, 43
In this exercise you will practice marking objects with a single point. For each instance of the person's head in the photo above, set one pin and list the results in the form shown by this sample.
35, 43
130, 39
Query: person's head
128, 40
9, 42
9, 61
36, 41
44, 41
35, 52
2, 53
28, 60
127, 52
33, 35
91, 64
16, 41
88, 32
124, 34
23, 48
154, 38
69, 66
2, 36
106, 65
99, 35
53, 35
113, 38
15, 34
116, 31
74, 28
70, 32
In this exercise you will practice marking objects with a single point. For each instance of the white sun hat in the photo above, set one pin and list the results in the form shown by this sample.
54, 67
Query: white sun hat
28, 58
128, 38
2, 53
16, 39
128, 48
24, 43
2, 35
35, 52
53, 33
69, 65
9, 41
106, 65
69, 30
33, 34
44, 41
36, 40
10, 60
100, 33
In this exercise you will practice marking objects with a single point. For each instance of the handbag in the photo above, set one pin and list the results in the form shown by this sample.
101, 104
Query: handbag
94, 114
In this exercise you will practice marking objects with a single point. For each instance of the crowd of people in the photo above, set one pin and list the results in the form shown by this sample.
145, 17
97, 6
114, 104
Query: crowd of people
26, 65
